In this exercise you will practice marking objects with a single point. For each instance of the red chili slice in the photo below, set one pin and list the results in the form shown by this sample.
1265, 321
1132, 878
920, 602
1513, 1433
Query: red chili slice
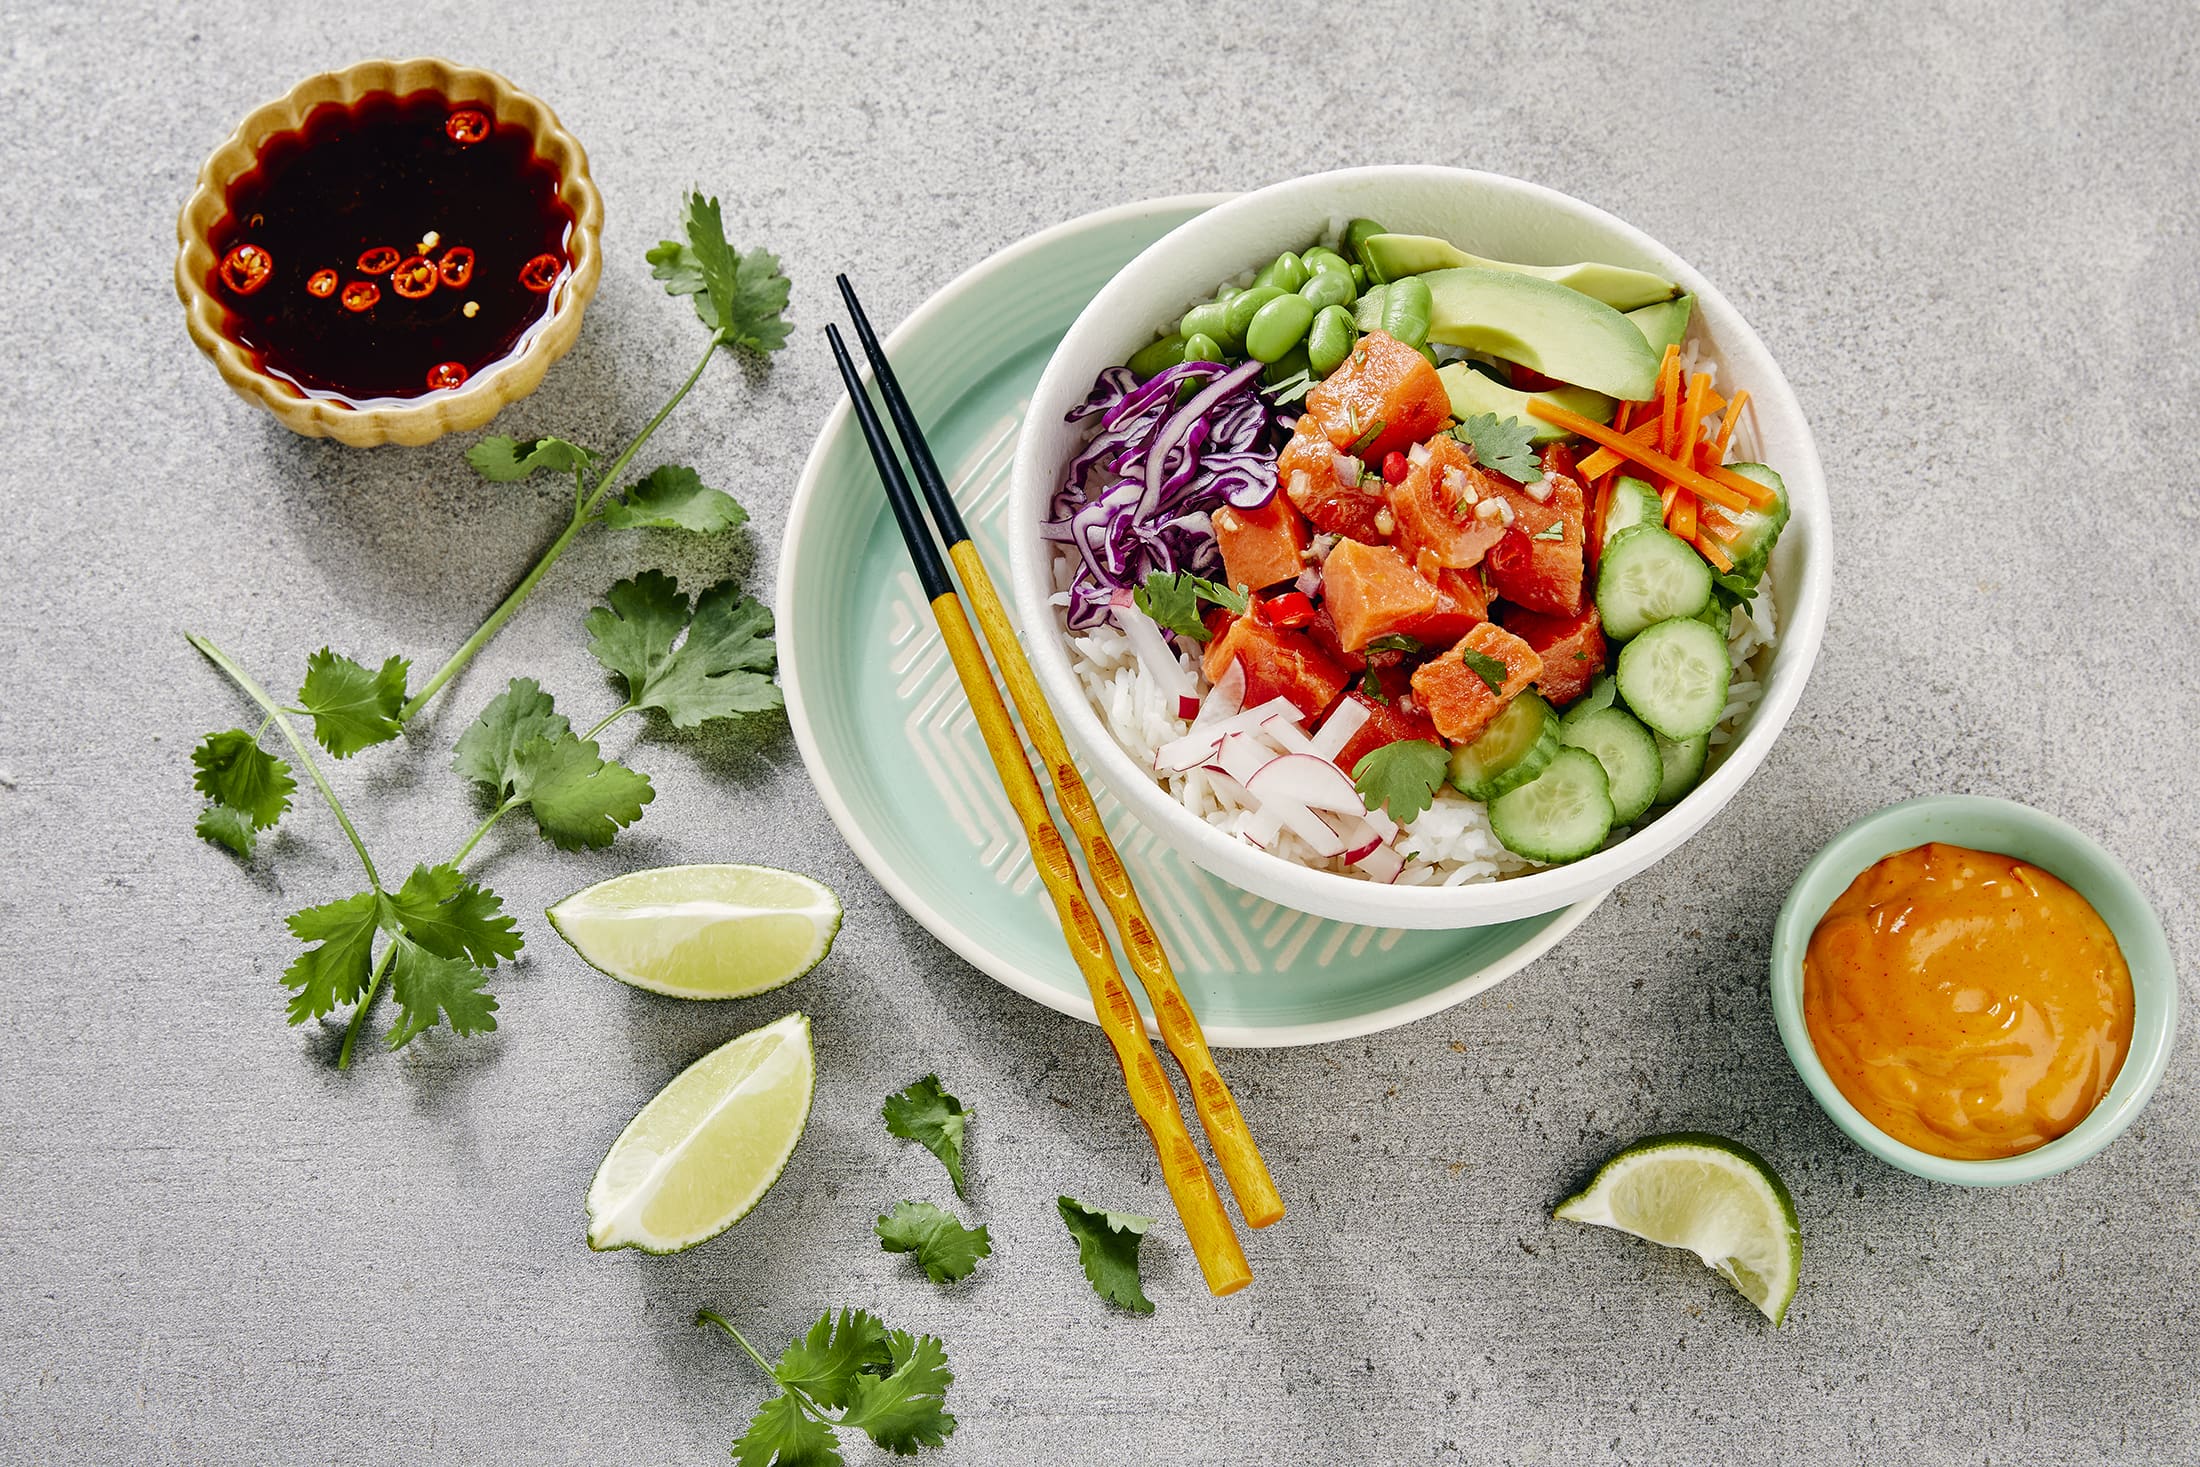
322, 283
1394, 467
467, 126
246, 268
456, 267
361, 295
540, 273
380, 260
414, 278
1288, 612
447, 374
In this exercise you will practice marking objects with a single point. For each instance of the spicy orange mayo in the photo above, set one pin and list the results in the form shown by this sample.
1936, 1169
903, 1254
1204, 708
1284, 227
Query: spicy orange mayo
1969, 1004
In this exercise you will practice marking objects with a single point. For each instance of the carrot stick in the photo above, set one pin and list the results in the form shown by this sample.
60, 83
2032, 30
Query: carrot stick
1666, 492
1594, 534
1669, 397
1603, 461
1751, 491
1714, 525
1681, 519
1683, 446
1709, 548
1733, 416
1622, 416
1712, 402
1704, 487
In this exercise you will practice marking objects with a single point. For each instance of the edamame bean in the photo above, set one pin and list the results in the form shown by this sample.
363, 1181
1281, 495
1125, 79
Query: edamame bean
1359, 277
1287, 366
1329, 339
1208, 319
1244, 306
1200, 347
1321, 258
1156, 357
1327, 288
1286, 272
1355, 237
1406, 310
1278, 326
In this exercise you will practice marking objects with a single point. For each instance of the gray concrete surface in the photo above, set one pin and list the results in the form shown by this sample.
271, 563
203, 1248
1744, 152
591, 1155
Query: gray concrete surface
1969, 233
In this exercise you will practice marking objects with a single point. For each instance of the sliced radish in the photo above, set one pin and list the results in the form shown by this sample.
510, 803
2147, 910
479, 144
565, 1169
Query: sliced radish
1349, 719
1283, 731
1225, 698
1382, 863
1303, 779
1138, 629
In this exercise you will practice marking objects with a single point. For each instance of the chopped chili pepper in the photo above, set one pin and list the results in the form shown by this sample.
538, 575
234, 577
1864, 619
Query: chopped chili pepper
446, 374
361, 295
1394, 467
1288, 612
456, 267
467, 126
540, 273
246, 268
322, 283
380, 260
414, 278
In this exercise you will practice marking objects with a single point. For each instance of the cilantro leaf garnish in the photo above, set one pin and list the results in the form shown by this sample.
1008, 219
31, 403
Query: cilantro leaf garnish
722, 668
431, 989
739, 296
1402, 776
504, 460
250, 788
1173, 601
1491, 670
1502, 444
926, 1114
1107, 1247
674, 498
353, 708
226, 825
452, 917
944, 1247
487, 753
578, 797
1556, 530
1373, 431
335, 970
1394, 642
889, 1384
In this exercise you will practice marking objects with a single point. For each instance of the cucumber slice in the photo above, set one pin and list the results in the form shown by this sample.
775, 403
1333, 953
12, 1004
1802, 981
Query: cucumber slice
1603, 693
1648, 576
1682, 763
1757, 530
1674, 677
1629, 754
1513, 750
1633, 503
1561, 815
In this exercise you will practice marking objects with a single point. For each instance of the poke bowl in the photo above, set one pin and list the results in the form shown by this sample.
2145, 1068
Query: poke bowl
1418, 547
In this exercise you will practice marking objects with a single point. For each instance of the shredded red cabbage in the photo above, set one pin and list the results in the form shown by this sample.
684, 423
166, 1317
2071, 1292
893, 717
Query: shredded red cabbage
1139, 497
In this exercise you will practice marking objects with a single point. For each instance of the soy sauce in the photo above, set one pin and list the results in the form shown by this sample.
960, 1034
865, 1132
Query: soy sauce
320, 259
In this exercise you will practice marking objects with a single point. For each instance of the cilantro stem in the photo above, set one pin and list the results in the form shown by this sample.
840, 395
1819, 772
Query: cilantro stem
584, 513
366, 1001
801, 1397
481, 830
298, 746
607, 720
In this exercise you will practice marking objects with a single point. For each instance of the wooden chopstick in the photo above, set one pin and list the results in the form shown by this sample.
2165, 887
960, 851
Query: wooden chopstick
1233, 1144
1206, 1222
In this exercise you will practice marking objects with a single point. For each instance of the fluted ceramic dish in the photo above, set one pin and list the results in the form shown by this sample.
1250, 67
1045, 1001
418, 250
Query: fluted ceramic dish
429, 417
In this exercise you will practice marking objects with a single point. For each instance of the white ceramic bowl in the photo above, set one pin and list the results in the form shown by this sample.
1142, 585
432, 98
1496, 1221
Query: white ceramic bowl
1488, 215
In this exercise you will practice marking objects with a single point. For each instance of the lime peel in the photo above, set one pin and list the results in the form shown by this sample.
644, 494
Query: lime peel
705, 932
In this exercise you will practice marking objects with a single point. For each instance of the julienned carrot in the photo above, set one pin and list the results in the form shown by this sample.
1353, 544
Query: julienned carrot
1733, 416
1712, 525
1600, 511
1669, 398
1709, 549
1704, 487
1751, 491
1712, 402
1603, 461
1680, 515
1690, 430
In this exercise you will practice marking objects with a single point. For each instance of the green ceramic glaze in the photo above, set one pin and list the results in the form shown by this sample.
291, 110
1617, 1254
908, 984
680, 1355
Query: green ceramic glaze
890, 742
2029, 835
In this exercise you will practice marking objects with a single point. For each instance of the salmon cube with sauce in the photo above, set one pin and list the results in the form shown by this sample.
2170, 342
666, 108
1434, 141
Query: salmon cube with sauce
1461, 603
1572, 649
1436, 506
1456, 696
1276, 663
1261, 546
1306, 470
1371, 592
1538, 563
1385, 389
1387, 723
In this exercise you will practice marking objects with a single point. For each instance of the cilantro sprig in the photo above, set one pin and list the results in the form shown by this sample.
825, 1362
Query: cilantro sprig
1107, 1248
926, 1114
1173, 601
945, 1249
849, 1372
1403, 776
1503, 444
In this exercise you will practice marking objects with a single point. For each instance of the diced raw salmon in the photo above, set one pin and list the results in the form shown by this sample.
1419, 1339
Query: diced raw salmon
1323, 631
1383, 382
1335, 508
1460, 603
1261, 546
1277, 664
1387, 723
1572, 649
1538, 565
1372, 592
1456, 697
1435, 507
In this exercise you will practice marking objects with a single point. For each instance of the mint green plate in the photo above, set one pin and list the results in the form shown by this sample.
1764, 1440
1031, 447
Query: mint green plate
891, 744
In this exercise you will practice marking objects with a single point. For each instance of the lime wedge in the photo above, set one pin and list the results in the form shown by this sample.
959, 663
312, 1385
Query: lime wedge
702, 931
707, 1149
1711, 1196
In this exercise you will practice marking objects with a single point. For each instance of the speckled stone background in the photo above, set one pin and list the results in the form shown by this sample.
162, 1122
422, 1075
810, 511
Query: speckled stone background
1969, 233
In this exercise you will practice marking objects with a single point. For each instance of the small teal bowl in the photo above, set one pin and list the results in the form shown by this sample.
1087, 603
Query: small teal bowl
2029, 835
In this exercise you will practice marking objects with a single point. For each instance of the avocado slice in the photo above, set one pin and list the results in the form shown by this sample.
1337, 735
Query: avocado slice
1473, 393
1665, 323
1418, 254
1543, 326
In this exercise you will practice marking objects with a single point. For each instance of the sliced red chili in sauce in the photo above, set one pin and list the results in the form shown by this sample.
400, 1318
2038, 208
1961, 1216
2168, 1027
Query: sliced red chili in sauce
446, 375
361, 295
467, 126
1288, 612
541, 273
378, 260
321, 283
246, 268
414, 278
456, 267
